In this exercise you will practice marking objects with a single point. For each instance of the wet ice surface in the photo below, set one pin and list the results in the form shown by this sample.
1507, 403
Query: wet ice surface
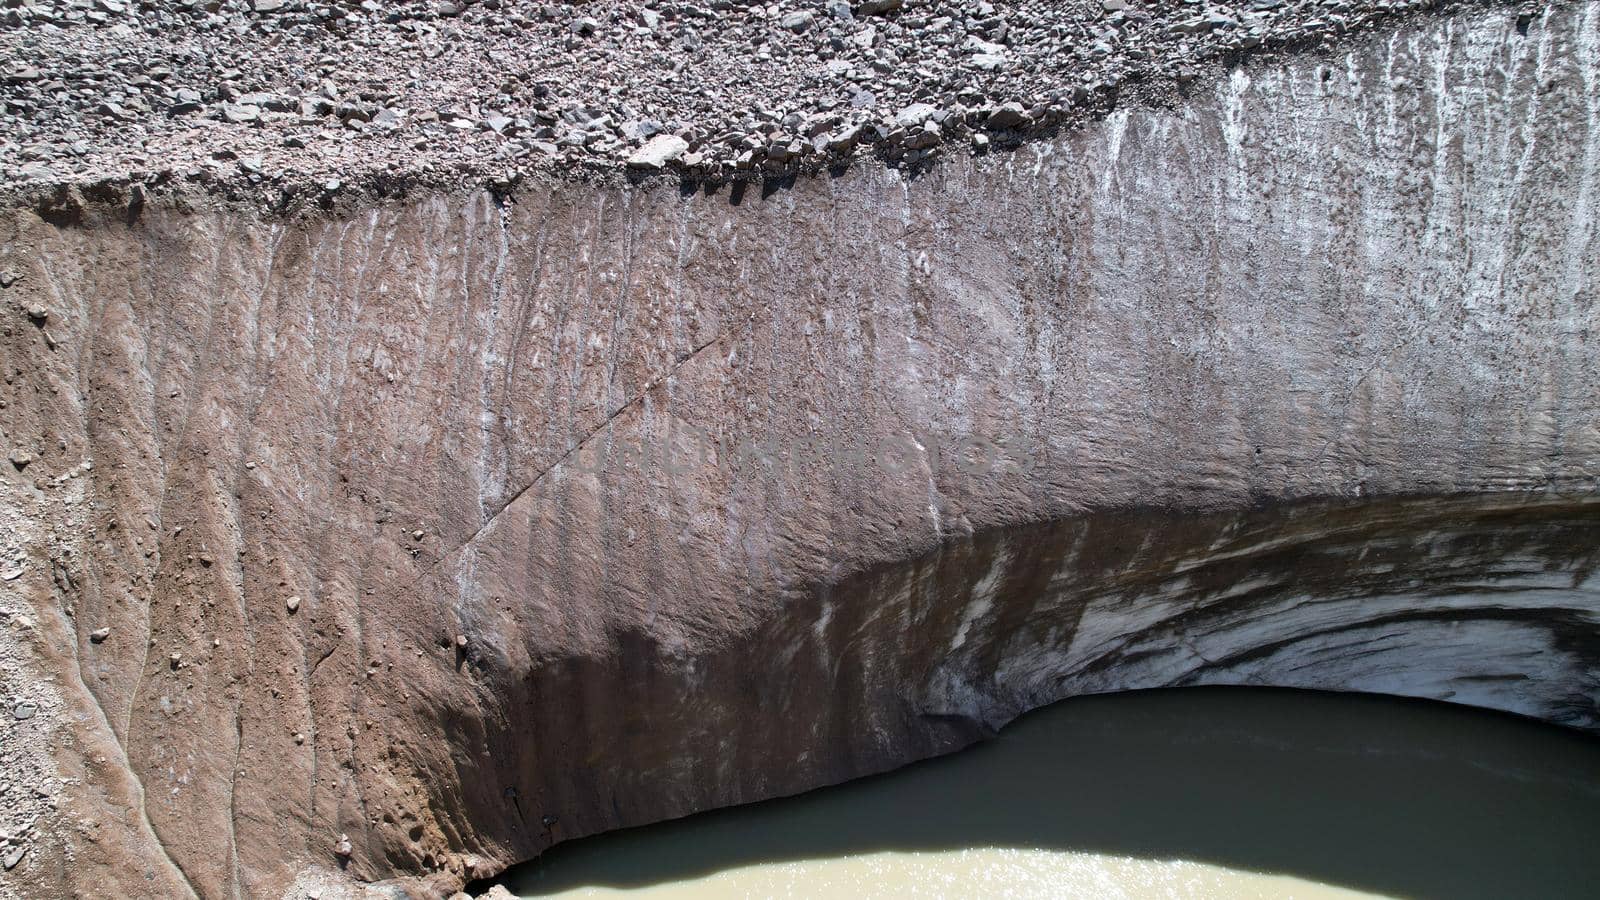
1190, 793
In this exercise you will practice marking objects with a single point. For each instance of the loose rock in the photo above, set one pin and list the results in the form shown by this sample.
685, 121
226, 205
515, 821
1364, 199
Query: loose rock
449, 91
877, 7
239, 113
915, 114
1010, 115
659, 151
798, 22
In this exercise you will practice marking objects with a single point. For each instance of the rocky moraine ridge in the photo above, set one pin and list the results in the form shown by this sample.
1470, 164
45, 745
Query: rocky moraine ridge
285, 101
402, 472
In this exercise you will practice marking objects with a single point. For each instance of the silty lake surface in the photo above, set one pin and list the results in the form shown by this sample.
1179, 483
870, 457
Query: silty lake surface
1196, 792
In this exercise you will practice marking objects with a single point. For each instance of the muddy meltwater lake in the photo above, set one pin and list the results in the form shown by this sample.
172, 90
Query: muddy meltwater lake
1198, 792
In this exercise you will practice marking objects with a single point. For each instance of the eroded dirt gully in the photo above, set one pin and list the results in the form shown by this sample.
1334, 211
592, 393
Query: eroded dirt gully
1295, 385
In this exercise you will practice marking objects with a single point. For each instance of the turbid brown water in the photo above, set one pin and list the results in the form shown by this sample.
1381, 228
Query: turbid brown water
1187, 793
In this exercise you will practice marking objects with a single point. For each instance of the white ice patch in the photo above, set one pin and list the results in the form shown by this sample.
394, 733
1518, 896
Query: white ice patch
982, 597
